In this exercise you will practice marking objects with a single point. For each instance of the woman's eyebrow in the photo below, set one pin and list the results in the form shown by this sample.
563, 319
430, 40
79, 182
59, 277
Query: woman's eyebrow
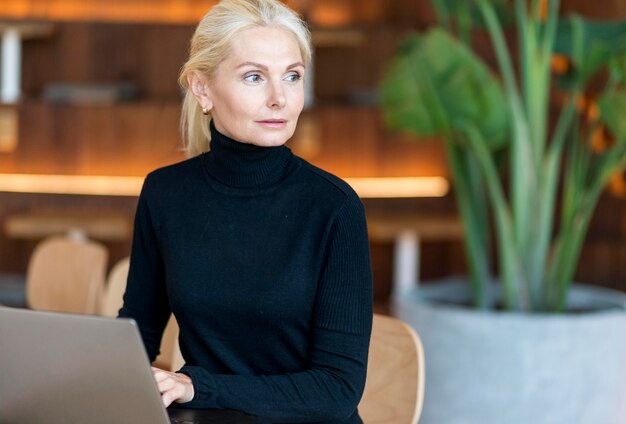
253, 64
295, 65
265, 68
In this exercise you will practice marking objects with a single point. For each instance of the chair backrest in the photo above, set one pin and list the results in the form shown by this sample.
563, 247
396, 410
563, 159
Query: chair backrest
113, 293
170, 357
113, 299
66, 274
394, 389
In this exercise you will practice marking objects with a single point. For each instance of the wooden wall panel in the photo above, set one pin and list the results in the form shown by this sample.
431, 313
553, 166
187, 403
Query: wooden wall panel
148, 56
605, 9
125, 139
134, 138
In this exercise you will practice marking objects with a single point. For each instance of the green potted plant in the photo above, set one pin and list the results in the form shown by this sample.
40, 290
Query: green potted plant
530, 151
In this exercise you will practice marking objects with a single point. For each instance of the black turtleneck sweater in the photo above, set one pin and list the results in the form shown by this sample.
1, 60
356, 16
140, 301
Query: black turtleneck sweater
264, 260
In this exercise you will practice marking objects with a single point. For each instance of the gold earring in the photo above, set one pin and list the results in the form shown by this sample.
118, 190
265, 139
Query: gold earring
205, 111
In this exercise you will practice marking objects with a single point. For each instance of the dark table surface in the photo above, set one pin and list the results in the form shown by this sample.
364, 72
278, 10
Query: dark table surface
201, 416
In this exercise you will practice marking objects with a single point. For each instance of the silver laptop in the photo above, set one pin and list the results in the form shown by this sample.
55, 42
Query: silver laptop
66, 368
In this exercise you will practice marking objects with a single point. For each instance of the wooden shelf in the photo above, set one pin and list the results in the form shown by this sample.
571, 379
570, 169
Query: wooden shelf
390, 227
99, 225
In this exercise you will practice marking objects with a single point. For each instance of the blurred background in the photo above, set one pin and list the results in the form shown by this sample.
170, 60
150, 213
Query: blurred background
90, 104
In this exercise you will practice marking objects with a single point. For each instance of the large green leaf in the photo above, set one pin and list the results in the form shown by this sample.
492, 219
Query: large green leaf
590, 44
617, 67
402, 100
436, 85
467, 10
613, 111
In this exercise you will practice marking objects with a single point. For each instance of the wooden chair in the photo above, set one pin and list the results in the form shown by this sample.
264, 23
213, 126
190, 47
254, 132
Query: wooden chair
113, 299
66, 274
394, 389
112, 296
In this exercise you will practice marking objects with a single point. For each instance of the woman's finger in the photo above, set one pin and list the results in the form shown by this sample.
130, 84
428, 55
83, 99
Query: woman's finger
173, 386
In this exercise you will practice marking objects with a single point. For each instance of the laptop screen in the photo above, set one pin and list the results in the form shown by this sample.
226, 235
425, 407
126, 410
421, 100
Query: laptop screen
70, 368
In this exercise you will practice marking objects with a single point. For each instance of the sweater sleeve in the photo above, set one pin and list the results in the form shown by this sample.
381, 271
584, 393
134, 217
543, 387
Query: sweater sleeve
331, 388
145, 299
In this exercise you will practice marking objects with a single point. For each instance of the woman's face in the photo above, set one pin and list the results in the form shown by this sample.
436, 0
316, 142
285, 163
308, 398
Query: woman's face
257, 92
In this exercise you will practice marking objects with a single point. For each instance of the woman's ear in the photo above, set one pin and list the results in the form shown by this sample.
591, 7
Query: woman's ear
200, 88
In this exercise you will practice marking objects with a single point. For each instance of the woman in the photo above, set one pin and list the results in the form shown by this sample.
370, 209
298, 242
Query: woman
262, 257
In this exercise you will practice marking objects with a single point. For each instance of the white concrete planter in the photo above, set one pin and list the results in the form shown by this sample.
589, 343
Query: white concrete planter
512, 368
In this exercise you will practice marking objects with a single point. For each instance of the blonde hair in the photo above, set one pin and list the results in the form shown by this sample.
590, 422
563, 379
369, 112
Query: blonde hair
210, 45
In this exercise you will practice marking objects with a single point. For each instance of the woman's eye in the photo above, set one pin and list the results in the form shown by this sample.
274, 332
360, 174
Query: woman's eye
293, 77
252, 78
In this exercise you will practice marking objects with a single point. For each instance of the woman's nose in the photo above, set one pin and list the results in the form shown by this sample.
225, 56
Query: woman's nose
276, 98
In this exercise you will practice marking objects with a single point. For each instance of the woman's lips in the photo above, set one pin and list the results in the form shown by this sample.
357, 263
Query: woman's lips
273, 123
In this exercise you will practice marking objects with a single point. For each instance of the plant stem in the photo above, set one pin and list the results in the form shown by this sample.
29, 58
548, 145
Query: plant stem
535, 49
476, 229
464, 23
546, 206
609, 162
515, 294
523, 178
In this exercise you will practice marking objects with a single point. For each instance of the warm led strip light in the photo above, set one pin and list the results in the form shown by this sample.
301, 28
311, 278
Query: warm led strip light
172, 11
71, 184
394, 187
388, 187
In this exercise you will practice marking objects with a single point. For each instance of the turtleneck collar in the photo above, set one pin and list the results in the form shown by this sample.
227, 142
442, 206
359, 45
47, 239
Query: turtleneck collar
244, 165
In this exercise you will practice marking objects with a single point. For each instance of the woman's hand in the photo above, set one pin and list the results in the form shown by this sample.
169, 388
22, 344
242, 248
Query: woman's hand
174, 387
